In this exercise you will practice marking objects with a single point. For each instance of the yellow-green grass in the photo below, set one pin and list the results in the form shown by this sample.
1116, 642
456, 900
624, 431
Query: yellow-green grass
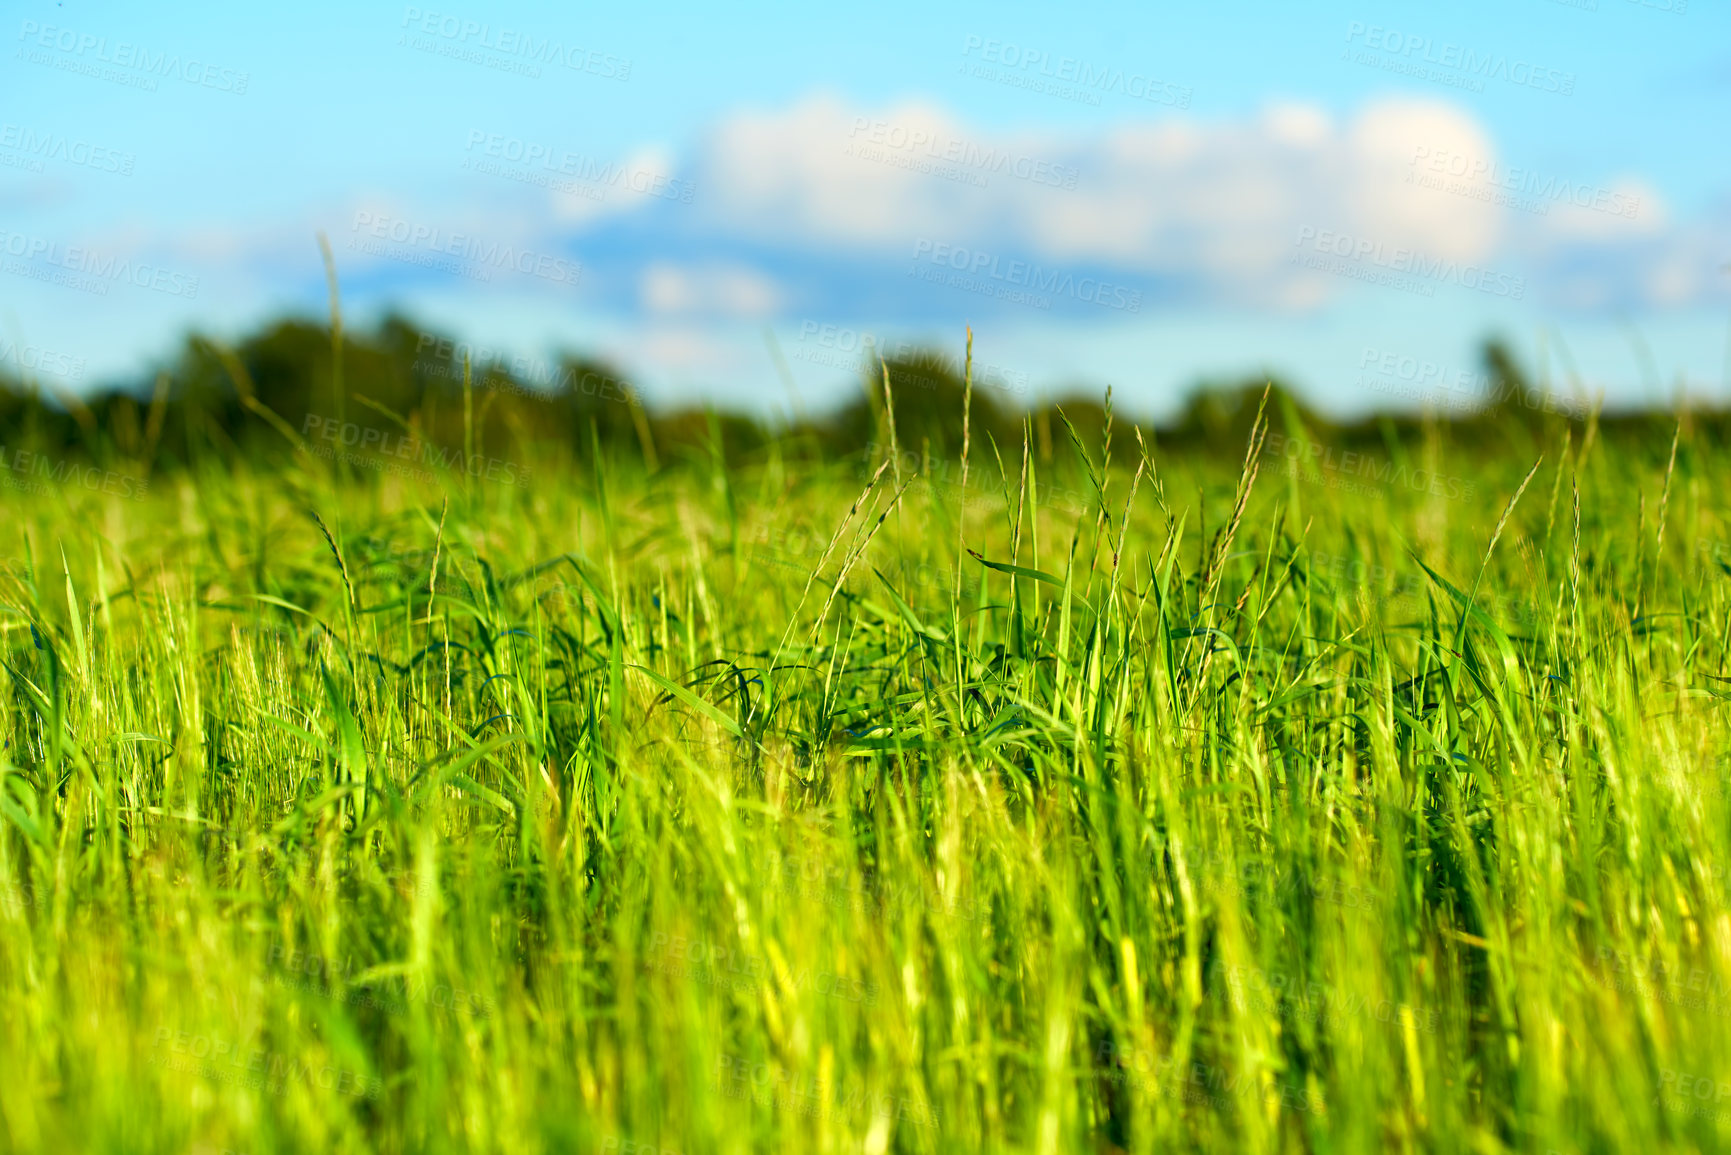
342, 811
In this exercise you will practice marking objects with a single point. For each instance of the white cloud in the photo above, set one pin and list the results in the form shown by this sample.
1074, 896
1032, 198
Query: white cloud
819, 204
1217, 205
594, 190
791, 175
1616, 247
715, 290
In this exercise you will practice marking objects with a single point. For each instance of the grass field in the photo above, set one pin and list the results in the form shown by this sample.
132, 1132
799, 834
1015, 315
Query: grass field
1040, 797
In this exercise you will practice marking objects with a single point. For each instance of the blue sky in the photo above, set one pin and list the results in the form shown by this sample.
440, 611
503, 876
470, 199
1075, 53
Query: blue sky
1350, 195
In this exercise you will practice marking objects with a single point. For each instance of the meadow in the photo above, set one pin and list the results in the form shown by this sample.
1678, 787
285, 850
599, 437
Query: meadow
1051, 790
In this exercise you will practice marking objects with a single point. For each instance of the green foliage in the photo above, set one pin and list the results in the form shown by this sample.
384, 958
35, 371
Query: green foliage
1141, 798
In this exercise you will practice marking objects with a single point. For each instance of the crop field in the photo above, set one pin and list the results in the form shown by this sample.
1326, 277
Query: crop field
1052, 786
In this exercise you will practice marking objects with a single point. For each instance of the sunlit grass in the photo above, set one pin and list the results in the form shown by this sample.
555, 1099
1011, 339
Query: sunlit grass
363, 813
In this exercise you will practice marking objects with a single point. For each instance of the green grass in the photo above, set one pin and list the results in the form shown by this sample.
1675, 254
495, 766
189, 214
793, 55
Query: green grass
342, 812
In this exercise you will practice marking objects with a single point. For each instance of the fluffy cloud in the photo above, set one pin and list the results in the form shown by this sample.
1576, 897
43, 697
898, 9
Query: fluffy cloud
1207, 212
820, 208
1213, 208
719, 290
1614, 247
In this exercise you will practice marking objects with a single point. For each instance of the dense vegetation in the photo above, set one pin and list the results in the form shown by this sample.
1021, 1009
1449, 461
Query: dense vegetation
950, 780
